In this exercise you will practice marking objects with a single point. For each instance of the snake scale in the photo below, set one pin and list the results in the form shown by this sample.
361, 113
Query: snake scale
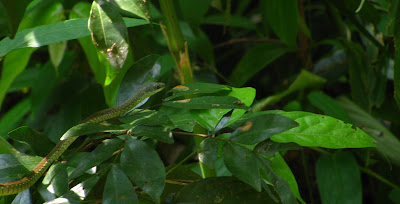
146, 90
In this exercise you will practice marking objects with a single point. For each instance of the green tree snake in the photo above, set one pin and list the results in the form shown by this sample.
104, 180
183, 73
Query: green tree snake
146, 90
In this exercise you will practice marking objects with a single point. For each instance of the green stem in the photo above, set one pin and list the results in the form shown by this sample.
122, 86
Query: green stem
205, 171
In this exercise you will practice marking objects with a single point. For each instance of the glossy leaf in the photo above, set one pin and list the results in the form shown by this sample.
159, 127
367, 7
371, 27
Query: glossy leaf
56, 52
45, 35
136, 7
97, 156
6, 147
109, 35
15, 11
159, 133
147, 117
16, 165
181, 118
329, 106
224, 190
208, 152
338, 178
207, 102
118, 188
257, 58
282, 17
260, 128
190, 89
89, 128
323, 131
143, 165
39, 142
243, 164
211, 117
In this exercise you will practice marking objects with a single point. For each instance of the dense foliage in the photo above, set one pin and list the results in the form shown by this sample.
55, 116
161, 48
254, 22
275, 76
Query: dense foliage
266, 101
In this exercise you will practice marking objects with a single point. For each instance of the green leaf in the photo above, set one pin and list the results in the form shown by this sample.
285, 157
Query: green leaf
145, 68
6, 147
147, 117
323, 131
257, 58
395, 196
208, 152
181, 118
387, 143
260, 128
39, 142
194, 11
222, 190
82, 10
396, 67
194, 88
329, 106
56, 179
159, 133
143, 165
89, 128
11, 119
339, 179
210, 118
15, 10
233, 21
280, 185
118, 188
56, 52
134, 7
97, 156
304, 80
270, 148
16, 165
280, 167
109, 35
208, 102
282, 17
243, 164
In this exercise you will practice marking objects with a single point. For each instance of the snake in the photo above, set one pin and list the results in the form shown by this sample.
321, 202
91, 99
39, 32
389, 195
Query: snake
144, 91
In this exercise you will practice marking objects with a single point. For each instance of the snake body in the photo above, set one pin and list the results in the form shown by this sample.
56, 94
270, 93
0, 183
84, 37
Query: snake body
146, 90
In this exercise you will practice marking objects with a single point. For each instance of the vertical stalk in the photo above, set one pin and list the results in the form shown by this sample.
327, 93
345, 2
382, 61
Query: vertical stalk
176, 43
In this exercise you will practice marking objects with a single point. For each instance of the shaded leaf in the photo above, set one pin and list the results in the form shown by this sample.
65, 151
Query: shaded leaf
282, 17
208, 152
233, 21
11, 119
257, 58
56, 181
323, 131
159, 133
97, 156
338, 178
118, 188
39, 142
143, 165
280, 167
224, 190
270, 148
181, 118
16, 165
243, 164
15, 10
260, 128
